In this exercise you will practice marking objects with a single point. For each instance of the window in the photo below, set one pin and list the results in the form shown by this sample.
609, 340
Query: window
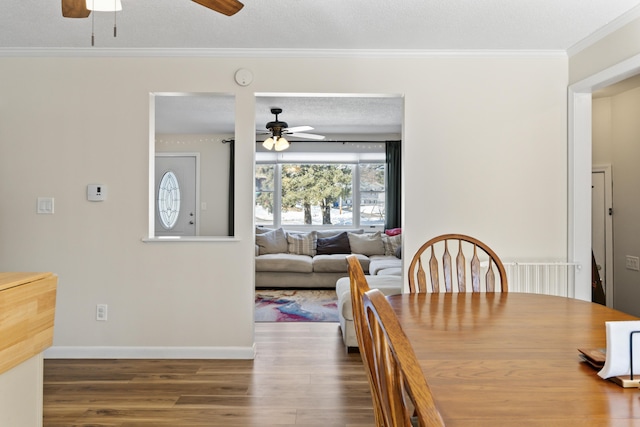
264, 194
320, 194
372, 193
169, 200
314, 194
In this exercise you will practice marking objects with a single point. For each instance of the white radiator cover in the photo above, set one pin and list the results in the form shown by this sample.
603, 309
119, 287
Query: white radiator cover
549, 278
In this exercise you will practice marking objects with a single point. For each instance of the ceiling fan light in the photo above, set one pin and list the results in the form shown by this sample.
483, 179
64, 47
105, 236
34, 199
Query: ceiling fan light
268, 143
282, 144
104, 5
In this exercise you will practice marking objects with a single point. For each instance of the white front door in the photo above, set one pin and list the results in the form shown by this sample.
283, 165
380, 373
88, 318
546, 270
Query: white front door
175, 195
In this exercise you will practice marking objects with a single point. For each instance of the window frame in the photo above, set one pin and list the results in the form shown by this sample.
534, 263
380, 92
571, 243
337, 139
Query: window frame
354, 159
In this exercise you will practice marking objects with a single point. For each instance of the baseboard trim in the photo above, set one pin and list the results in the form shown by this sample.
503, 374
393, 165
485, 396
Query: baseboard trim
72, 352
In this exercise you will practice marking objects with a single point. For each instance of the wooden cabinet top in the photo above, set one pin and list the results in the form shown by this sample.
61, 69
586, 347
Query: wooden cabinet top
12, 279
27, 312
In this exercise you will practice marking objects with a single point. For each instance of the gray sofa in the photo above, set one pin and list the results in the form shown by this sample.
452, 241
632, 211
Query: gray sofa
293, 259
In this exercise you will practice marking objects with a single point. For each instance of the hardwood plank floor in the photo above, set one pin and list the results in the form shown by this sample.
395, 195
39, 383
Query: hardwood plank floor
301, 376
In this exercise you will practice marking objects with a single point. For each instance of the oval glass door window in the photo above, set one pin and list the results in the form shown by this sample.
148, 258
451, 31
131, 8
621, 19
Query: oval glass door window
169, 200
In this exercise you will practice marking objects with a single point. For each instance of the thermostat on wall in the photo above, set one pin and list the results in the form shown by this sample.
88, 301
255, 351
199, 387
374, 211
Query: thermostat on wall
96, 192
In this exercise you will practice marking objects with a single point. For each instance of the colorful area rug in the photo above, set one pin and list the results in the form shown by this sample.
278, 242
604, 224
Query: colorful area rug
296, 306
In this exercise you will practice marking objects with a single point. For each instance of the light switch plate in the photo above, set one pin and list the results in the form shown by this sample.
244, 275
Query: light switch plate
45, 205
632, 263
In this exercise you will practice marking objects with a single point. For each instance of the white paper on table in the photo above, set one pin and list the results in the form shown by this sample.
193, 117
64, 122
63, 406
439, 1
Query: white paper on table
617, 361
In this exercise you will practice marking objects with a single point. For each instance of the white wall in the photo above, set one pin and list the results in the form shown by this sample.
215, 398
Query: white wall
484, 154
602, 132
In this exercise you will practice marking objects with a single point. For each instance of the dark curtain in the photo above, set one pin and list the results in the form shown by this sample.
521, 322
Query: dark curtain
394, 174
232, 175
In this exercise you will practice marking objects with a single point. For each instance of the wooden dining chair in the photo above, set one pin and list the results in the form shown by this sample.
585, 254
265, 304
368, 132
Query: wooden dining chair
359, 286
472, 256
404, 395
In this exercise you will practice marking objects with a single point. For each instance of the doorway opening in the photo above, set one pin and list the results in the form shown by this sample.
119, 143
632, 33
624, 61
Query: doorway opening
602, 228
580, 166
338, 182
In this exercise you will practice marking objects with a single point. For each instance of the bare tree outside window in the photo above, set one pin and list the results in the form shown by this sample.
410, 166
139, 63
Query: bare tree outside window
307, 186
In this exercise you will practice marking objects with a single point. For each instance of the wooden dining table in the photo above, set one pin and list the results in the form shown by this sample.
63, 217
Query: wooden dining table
511, 359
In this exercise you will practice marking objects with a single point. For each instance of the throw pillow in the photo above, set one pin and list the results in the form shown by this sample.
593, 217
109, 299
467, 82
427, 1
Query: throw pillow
262, 230
302, 243
391, 243
272, 242
367, 243
393, 231
323, 234
338, 244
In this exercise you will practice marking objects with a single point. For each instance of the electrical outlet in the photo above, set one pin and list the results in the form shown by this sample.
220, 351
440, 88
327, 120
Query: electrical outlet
101, 312
632, 263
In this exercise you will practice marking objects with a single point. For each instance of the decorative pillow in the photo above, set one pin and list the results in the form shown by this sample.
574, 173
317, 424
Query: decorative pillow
367, 243
338, 244
323, 234
262, 230
302, 243
393, 231
391, 243
272, 242
399, 252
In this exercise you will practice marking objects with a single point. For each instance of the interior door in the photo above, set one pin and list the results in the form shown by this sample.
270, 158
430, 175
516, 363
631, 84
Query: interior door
175, 195
601, 230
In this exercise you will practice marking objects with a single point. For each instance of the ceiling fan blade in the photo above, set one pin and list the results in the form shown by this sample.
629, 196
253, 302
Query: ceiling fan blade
75, 9
298, 129
226, 7
306, 135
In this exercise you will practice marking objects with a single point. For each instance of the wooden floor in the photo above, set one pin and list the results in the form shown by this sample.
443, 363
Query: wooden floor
301, 376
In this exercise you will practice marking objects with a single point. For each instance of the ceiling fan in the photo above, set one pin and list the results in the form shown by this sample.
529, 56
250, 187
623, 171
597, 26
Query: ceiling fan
278, 129
78, 8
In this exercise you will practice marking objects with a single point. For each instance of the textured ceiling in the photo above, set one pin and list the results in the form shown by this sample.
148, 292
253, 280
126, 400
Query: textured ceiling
326, 24
328, 115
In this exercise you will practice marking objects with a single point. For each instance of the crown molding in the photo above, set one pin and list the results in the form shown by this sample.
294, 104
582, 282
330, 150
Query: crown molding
603, 32
274, 53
